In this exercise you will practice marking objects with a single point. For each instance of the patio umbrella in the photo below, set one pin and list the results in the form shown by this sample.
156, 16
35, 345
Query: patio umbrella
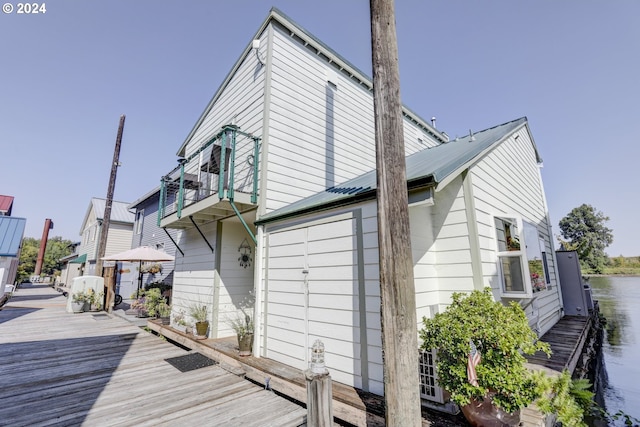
140, 254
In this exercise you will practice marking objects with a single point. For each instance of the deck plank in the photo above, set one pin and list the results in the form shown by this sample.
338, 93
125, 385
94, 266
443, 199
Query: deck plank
63, 369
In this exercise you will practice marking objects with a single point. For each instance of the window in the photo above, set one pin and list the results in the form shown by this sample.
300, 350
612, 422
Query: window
139, 221
536, 258
522, 262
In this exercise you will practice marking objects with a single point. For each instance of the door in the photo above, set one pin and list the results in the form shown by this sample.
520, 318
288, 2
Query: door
315, 291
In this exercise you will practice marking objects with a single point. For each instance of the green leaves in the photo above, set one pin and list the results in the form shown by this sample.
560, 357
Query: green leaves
501, 334
584, 228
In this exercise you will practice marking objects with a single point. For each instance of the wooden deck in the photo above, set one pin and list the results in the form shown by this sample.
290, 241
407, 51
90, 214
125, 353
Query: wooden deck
94, 369
566, 338
350, 405
359, 408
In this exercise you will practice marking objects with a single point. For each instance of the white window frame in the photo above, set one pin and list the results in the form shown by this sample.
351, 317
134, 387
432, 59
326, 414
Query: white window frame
536, 251
520, 253
139, 221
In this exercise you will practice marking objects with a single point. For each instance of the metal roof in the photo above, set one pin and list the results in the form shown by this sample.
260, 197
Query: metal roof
428, 167
153, 193
5, 204
119, 211
11, 233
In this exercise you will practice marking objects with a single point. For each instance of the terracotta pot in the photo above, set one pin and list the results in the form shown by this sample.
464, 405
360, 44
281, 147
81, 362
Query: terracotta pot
485, 414
245, 344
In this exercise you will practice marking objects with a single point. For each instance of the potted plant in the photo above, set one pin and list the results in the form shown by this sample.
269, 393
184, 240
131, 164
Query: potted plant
199, 314
89, 296
96, 300
480, 345
242, 325
179, 323
152, 300
139, 303
163, 311
77, 301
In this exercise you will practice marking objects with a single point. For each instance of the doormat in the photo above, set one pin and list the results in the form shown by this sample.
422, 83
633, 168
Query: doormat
190, 362
100, 316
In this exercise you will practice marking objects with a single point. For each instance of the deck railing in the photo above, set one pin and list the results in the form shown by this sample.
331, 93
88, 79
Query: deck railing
225, 164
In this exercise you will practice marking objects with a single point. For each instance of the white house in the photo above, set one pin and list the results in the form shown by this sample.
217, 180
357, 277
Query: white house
118, 238
292, 118
478, 218
275, 198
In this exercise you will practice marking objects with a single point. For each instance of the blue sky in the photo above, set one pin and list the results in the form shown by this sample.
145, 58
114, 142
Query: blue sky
571, 67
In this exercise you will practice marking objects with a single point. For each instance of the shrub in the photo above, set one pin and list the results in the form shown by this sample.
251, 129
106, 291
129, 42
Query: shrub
502, 335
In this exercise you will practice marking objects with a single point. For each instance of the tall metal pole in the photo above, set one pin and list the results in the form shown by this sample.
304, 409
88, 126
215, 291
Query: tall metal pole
397, 291
106, 219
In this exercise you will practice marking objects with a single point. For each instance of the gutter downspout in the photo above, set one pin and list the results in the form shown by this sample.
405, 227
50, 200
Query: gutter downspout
259, 343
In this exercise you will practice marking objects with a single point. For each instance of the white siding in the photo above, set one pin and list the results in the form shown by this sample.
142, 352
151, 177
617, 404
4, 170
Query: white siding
194, 273
239, 103
236, 282
119, 238
507, 181
441, 250
327, 303
320, 133
88, 239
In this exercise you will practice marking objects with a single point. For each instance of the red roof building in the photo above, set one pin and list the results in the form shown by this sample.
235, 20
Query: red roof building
6, 202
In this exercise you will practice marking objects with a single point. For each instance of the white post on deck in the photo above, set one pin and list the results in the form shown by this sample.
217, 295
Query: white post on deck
319, 396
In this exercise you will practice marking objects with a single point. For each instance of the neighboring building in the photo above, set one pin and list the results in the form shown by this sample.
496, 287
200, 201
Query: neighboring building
6, 204
288, 143
11, 235
118, 238
146, 232
71, 266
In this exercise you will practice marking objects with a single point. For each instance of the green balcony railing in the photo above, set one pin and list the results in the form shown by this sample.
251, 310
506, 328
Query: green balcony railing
224, 165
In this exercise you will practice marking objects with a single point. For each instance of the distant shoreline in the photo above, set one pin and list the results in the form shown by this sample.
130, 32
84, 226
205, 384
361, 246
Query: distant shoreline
612, 275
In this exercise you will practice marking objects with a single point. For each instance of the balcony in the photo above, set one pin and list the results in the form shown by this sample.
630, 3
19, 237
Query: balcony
218, 180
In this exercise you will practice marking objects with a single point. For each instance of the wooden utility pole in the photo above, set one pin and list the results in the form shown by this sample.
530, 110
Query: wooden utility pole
397, 291
106, 220
48, 225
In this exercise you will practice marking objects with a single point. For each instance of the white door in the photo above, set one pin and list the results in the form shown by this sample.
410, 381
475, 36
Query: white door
314, 292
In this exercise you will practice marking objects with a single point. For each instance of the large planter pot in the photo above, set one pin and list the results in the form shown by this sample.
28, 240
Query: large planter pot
201, 328
245, 344
165, 320
485, 414
86, 306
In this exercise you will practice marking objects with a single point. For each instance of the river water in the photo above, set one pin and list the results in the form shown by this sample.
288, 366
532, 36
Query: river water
619, 299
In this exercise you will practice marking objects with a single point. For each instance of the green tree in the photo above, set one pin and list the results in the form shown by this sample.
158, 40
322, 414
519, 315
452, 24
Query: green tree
586, 233
56, 248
